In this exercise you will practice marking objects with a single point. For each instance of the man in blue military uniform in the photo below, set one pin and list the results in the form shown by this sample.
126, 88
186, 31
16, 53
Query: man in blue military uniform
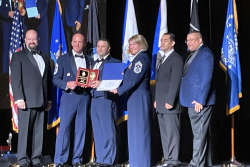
40, 24
103, 110
72, 18
75, 103
6, 15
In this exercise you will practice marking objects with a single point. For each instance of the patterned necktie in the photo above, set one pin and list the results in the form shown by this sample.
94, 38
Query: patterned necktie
160, 62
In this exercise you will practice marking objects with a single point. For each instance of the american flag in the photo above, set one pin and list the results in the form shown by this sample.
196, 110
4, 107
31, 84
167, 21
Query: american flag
16, 44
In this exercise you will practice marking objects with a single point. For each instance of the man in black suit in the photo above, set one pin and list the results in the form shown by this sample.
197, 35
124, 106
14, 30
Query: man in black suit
30, 79
168, 79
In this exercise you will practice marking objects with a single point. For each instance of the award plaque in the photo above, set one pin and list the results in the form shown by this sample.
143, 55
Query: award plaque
85, 77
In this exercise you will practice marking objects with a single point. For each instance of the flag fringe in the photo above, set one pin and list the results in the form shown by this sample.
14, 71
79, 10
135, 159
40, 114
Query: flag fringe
53, 124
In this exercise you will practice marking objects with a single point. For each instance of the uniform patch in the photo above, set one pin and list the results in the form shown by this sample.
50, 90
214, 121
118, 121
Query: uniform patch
56, 69
138, 67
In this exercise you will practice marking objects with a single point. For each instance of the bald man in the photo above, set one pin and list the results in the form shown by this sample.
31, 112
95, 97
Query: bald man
75, 103
31, 85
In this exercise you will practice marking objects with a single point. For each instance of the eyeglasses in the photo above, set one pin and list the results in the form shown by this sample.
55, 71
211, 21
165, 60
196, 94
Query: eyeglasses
190, 40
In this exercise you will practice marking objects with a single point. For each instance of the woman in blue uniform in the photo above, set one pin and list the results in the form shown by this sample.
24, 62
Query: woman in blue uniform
136, 83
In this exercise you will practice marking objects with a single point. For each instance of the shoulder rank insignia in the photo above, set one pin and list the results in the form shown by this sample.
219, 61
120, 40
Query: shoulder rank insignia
138, 67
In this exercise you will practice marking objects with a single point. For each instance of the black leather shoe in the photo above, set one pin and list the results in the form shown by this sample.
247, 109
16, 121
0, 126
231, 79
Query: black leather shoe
102, 165
60, 165
25, 165
39, 165
163, 164
171, 165
77, 164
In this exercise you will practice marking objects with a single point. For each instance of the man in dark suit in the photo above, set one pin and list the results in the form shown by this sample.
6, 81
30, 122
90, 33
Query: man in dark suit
72, 18
197, 92
75, 103
103, 110
168, 80
39, 23
30, 79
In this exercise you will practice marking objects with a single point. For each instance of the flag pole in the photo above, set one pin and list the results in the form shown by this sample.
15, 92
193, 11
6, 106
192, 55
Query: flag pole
232, 162
210, 25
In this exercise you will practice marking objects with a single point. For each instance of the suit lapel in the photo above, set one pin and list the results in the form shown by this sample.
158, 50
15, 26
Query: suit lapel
73, 63
165, 62
188, 62
32, 59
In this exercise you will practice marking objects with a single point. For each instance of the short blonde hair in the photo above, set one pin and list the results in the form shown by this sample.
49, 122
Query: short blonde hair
139, 40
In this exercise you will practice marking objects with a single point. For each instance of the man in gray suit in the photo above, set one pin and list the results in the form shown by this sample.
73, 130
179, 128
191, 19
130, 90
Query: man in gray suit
168, 80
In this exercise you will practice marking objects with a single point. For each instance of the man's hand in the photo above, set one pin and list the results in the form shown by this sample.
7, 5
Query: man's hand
21, 105
95, 84
114, 91
197, 106
49, 106
78, 25
71, 85
11, 13
23, 12
168, 106
38, 16
155, 104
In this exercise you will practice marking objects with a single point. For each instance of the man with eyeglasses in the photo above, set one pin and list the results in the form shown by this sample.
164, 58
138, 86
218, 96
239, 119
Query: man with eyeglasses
75, 103
197, 93
31, 85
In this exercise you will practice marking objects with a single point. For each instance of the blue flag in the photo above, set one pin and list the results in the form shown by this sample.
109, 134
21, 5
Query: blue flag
129, 29
230, 62
57, 48
161, 28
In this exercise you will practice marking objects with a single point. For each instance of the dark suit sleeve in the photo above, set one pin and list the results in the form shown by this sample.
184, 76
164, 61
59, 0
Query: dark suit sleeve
16, 77
175, 81
81, 10
58, 74
4, 12
44, 9
206, 66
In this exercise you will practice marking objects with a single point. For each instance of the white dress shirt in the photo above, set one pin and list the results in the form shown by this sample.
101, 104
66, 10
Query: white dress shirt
97, 65
167, 55
80, 62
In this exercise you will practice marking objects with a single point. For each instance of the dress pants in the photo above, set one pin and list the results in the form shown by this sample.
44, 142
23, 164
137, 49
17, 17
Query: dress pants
201, 145
170, 137
74, 108
103, 122
30, 135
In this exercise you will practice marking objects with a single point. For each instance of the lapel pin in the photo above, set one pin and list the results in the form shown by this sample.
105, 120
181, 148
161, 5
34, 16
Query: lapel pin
68, 74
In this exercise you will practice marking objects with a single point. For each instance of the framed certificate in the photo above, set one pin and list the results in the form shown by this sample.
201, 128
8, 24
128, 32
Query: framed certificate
85, 77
